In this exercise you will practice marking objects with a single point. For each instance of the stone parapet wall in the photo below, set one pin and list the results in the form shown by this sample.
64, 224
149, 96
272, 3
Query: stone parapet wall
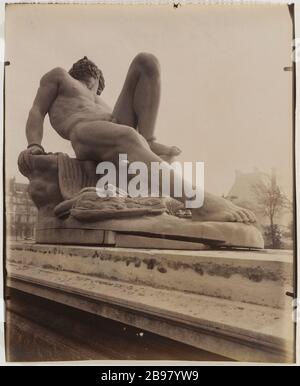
231, 303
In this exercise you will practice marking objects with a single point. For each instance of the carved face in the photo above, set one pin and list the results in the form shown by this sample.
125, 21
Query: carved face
85, 70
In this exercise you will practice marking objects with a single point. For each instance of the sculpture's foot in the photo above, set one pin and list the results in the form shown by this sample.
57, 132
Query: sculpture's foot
163, 150
224, 211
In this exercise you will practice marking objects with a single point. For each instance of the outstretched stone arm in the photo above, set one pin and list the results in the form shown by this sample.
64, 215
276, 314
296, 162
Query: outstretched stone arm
45, 96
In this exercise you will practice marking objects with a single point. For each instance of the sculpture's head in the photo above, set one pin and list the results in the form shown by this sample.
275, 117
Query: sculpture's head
87, 71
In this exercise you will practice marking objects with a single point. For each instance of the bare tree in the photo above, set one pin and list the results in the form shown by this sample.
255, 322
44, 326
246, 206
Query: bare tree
271, 202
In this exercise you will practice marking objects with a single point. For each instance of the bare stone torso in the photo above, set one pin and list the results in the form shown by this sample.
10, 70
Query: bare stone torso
76, 103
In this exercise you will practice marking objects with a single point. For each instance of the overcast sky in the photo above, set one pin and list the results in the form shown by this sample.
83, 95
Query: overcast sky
225, 97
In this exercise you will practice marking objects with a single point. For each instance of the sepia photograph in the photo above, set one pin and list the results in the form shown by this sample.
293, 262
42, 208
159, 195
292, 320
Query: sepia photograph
150, 184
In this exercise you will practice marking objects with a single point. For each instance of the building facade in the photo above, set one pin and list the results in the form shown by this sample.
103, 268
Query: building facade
244, 194
21, 213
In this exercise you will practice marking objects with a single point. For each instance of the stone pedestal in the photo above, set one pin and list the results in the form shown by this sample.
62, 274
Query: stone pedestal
230, 303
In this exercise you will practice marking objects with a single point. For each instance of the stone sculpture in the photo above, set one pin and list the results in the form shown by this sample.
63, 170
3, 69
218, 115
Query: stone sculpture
70, 211
63, 188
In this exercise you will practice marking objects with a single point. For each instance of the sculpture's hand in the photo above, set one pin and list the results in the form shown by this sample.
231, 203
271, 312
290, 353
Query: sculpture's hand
35, 150
25, 161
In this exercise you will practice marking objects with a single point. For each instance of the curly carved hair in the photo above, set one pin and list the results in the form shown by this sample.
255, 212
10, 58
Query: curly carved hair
85, 67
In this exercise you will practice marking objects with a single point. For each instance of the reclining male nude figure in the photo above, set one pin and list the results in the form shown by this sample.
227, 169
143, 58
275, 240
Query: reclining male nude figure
98, 133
